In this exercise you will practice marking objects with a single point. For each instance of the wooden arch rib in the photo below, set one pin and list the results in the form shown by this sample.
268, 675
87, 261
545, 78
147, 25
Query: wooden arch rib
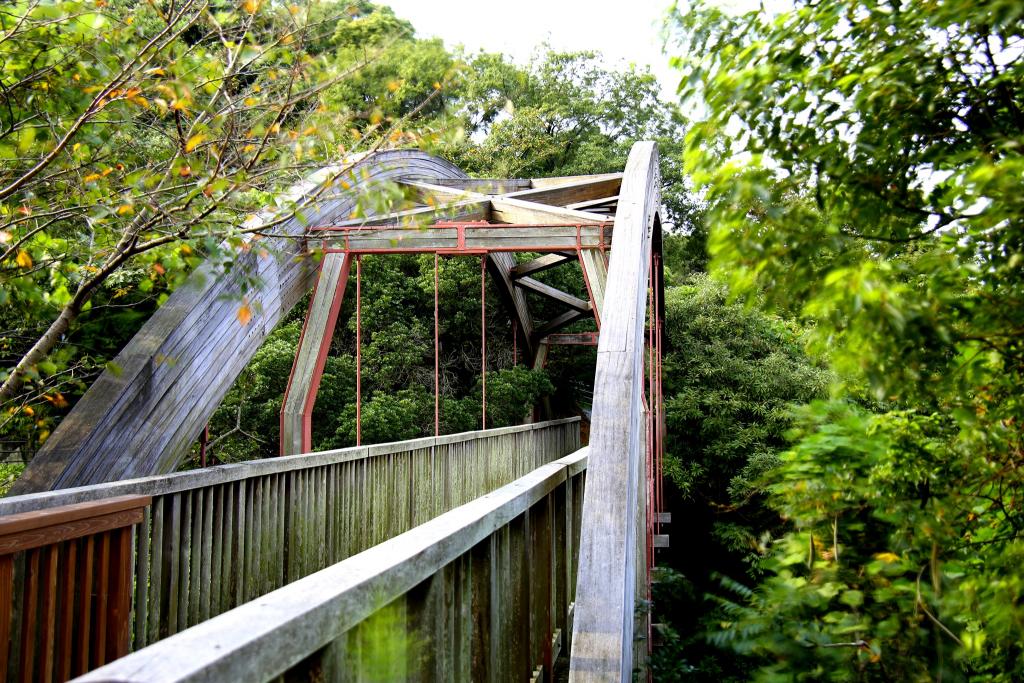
177, 369
612, 565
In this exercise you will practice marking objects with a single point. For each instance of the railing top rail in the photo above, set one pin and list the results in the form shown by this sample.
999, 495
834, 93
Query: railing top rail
265, 637
37, 528
163, 484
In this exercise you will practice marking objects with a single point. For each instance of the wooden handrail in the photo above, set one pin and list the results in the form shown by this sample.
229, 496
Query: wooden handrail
164, 484
449, 583
38, 528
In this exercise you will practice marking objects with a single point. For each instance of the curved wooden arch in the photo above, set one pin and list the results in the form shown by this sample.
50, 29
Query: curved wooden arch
612, 569
175, 372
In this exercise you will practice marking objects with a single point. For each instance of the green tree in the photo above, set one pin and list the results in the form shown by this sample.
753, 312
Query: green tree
731, 379
566, 113
135, 140
862, 165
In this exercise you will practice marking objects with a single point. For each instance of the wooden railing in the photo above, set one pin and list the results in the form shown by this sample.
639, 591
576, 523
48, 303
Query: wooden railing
65, 588
218, 537
482, 592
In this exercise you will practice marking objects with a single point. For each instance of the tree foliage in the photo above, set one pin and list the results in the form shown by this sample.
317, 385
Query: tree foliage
731, 380
136, 138
862, 164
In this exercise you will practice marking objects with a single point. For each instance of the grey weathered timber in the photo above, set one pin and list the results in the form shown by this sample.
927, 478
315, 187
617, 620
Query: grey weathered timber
540, 264
595, 268
593, 203
553, 293
432, 602
490, 237
580, 190
484, 185
612, 565
174, 373
218, 537
467, 209
511, 210
500, 265
559, 322
312, 352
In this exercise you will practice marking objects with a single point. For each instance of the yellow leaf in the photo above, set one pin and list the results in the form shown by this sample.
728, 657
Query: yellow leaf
887, 557
44, 435
156, 72
251, 101
437, 85
393, 85
141, 101
91, 178
294, 9
251, 6
23, 259
186, 250
244, 312
57, 400
194, 142
125, 209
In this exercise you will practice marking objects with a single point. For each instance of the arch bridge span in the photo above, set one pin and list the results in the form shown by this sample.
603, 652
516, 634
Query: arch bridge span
481, 556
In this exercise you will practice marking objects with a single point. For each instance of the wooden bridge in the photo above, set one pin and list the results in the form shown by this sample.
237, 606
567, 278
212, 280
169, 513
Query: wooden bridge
478, 556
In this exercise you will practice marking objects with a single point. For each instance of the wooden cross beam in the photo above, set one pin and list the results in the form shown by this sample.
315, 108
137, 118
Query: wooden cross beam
464, 217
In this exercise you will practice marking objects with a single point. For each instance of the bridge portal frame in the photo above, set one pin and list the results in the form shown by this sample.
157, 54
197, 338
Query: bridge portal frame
459, 222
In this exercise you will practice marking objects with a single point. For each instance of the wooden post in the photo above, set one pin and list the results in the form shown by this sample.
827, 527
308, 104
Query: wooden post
311, 355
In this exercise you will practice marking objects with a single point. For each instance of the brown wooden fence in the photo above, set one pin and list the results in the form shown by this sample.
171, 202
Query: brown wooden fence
66, 587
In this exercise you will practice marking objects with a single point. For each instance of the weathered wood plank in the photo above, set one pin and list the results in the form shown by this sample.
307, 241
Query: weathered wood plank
476, 209
609, 566
559, 322
581, 190
541, 263
237, 472
594, 203
511, 210
595, 270
311, 356
556, 181
553, 293
482, 185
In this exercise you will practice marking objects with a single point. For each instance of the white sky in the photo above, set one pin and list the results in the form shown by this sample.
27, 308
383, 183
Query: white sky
625, 32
